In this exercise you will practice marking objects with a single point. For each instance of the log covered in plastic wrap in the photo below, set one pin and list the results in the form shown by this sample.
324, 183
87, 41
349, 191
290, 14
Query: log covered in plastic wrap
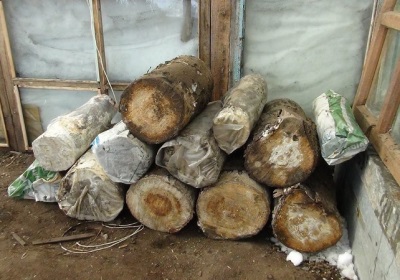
305, 216
234, 207
68, 137
158, 105
86, 192
194, 156
284, 149
161, 202
123, 157
242, 106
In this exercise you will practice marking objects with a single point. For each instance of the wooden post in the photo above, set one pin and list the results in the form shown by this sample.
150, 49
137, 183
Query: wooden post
205, 31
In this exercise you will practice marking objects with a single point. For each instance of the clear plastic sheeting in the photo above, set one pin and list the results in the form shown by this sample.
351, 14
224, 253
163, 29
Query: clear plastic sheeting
141, 34
194, 156
51, 39
123, 157
303, 48
395, 132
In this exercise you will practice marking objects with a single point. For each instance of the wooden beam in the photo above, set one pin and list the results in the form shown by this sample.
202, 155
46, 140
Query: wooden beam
205, 31
391, 103
371, 65
236, 44
101, 54
391, 20
384, 144
220, 45
56, 84
10, 99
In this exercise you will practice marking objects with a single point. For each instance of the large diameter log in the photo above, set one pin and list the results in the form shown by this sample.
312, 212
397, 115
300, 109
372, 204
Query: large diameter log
158, 105
161, 202
194, 156
123, 157
305, 217
68, 137
284, 149
242, 106
86, 192
235, 207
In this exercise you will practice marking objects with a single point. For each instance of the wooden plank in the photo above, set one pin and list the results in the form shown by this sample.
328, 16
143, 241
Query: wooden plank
56, 84
64, 238
365, 119
220, 46
120, 86
101, 54
391, 103
236, 44
18, 238
10, 100
391, 20
205, 31
371, 64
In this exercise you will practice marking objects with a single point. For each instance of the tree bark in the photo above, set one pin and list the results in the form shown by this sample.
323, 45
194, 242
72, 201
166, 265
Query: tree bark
305, 217
158, 105
235, 207
68, 137
194, 156
242, 106
161, 202
86, 192
284, 150
123, 157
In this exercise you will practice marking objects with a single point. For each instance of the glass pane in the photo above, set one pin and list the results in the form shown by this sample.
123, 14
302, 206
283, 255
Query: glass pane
41, 106
395, 132
140, 34
387, 63
304, 48
51, 39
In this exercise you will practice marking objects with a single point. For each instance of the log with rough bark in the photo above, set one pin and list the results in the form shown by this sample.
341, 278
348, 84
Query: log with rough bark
158, 105
123, 157
234, 207
242, 106
194, 156
161, 202
68, 137
305, 217
86, 192
284, 149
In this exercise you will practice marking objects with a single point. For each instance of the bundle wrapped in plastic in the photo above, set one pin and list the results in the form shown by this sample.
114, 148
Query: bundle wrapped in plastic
340, 136
36, 183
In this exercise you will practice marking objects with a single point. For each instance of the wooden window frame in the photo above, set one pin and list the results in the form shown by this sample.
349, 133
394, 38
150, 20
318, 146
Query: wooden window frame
220, 46
377, 127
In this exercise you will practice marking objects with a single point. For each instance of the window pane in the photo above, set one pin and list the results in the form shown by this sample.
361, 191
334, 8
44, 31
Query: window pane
51, 39
304, 48
140, 34
387, 63
396, 128
41, 106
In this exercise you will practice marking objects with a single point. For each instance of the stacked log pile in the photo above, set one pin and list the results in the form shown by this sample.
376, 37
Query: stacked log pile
170, 106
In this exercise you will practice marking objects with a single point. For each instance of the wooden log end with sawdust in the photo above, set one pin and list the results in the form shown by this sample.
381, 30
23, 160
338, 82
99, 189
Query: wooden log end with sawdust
305, 217
284, 149
234, 207
161, 202
158, 105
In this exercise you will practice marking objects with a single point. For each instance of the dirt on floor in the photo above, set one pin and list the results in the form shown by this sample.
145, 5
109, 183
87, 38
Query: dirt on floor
147, 255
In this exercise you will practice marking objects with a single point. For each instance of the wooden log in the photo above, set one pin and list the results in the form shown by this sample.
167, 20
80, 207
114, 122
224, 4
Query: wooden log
194, 156
158, 105
86, 192
235, 207
242, 107
123, 157
305, 217
161, 202
68, 137
284, 149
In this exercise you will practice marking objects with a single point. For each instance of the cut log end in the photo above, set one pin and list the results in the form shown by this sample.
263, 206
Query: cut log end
158, 117
161, 203
303, 225
236, 207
